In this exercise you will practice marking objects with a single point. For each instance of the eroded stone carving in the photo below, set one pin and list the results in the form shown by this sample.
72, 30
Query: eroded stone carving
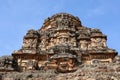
29, 43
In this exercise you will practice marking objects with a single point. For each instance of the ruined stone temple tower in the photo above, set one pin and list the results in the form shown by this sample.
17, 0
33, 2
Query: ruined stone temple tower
62, 43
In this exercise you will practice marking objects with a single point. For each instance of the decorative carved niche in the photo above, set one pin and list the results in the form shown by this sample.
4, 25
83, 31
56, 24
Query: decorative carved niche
98, 42
29, 43
84, 44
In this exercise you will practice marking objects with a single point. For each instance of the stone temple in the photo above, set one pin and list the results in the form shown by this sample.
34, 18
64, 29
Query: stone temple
62, 43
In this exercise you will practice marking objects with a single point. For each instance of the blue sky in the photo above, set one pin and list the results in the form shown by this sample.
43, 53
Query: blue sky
18, 16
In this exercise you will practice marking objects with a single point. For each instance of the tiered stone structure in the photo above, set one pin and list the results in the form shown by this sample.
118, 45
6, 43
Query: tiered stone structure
62, 43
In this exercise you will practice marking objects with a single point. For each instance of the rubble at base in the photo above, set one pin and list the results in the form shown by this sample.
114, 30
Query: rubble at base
85, 72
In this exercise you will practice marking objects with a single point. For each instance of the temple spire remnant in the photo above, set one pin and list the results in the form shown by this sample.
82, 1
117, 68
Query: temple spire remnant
62, 43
